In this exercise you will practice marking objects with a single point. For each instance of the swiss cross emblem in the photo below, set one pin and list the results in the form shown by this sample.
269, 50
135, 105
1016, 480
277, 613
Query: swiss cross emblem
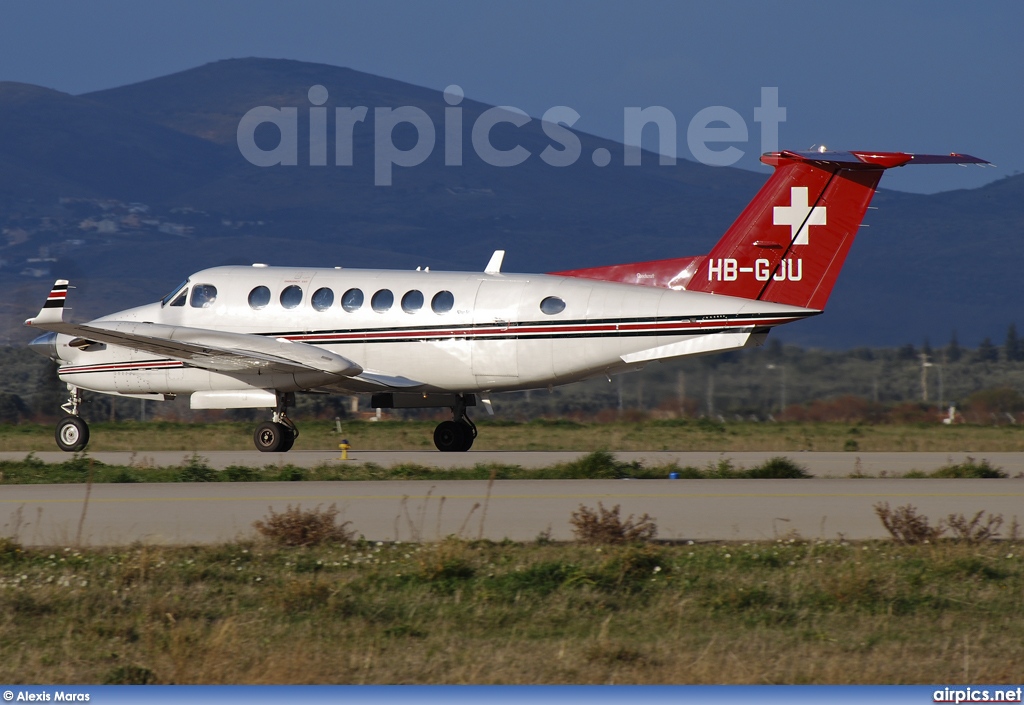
799, 216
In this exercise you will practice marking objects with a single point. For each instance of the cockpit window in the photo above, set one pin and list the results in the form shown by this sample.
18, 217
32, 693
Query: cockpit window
203, 296
180, 301
174, 292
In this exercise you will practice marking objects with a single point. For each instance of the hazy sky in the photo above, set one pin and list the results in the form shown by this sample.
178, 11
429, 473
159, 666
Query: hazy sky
910, 76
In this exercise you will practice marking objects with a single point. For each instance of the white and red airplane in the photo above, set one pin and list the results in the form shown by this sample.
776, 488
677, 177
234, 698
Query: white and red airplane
251, 337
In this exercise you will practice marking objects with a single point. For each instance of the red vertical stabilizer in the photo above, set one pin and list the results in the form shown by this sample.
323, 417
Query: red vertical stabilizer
789, 243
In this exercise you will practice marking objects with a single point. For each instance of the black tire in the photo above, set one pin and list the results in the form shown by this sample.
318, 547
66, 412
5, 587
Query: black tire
271, 437
72, 434
450, 437
288, 441
469, 435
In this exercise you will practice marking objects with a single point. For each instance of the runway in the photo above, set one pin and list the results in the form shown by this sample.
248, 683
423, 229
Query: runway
819, 464
699, 510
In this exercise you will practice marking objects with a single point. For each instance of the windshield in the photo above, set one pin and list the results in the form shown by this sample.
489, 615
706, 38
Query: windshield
174, 292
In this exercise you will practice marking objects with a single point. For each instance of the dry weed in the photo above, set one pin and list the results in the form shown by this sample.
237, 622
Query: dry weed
906, 526
310, 527
605, 526
974, 530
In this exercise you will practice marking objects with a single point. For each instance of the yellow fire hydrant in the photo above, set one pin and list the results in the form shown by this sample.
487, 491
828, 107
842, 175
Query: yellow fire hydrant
344, 448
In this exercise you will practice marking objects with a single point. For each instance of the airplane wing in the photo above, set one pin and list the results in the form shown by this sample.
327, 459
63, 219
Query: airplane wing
208, 349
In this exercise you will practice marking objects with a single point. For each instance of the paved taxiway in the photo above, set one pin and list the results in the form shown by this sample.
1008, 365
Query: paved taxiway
819, 464
515, 509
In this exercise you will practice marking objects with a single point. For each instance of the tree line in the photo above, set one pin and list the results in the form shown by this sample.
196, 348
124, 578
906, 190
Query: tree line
775, 382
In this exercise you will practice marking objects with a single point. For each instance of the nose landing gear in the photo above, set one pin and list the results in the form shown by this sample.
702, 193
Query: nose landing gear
72, 433
279, 435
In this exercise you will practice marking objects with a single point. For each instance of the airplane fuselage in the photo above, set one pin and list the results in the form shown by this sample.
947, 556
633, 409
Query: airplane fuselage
446, 331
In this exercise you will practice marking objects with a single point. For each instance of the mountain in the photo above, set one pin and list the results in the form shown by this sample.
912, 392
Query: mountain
128, 190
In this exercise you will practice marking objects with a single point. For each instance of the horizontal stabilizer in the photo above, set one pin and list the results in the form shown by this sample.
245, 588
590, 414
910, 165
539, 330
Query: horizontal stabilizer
698, 345
53, 309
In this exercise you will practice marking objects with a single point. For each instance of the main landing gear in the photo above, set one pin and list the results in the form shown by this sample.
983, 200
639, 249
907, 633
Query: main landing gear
72, 434
279, 435
458, 434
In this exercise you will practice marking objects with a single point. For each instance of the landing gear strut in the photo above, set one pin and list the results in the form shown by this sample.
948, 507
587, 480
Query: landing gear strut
72, 434
279, 435
458, 434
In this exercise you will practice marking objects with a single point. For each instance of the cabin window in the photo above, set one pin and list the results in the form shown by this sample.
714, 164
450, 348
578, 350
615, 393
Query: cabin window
291, 297
174, 295
259, 298
552, 305
322, 299
352, 300
412, 301
443, 302
382, 300
203, 296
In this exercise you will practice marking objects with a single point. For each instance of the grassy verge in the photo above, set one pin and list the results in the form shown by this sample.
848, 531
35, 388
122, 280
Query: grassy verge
480, 612
544, 434
593, 466
599, 465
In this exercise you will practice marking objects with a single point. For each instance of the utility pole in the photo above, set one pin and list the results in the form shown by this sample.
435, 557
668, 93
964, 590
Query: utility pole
681, 392
924, 377
782, 385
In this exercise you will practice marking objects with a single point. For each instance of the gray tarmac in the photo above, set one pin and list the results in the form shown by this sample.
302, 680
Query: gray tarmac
698, 510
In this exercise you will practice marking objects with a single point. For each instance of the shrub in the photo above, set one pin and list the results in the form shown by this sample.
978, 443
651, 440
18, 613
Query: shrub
196, 470
240, 473
79, 464
597, 465
777, 468
310, 527
290, 473
605, 526
969, 469
906, 526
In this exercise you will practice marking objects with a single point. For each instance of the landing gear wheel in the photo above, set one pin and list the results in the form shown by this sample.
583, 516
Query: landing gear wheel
288, 441
451, 436
273, 437
72, 434
469, 435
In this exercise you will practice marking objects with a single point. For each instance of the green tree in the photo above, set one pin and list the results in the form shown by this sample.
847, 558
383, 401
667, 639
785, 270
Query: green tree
1012, 348
987, 352
907, 352
953, 351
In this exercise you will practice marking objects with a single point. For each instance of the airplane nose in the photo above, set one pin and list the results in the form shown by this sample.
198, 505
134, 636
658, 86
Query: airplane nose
45, 345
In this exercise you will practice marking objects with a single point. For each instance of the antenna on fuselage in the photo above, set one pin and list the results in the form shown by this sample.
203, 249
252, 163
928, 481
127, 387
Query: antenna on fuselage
494, 265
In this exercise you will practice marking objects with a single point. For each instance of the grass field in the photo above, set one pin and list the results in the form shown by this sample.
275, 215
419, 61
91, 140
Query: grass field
544, 434
480, 612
